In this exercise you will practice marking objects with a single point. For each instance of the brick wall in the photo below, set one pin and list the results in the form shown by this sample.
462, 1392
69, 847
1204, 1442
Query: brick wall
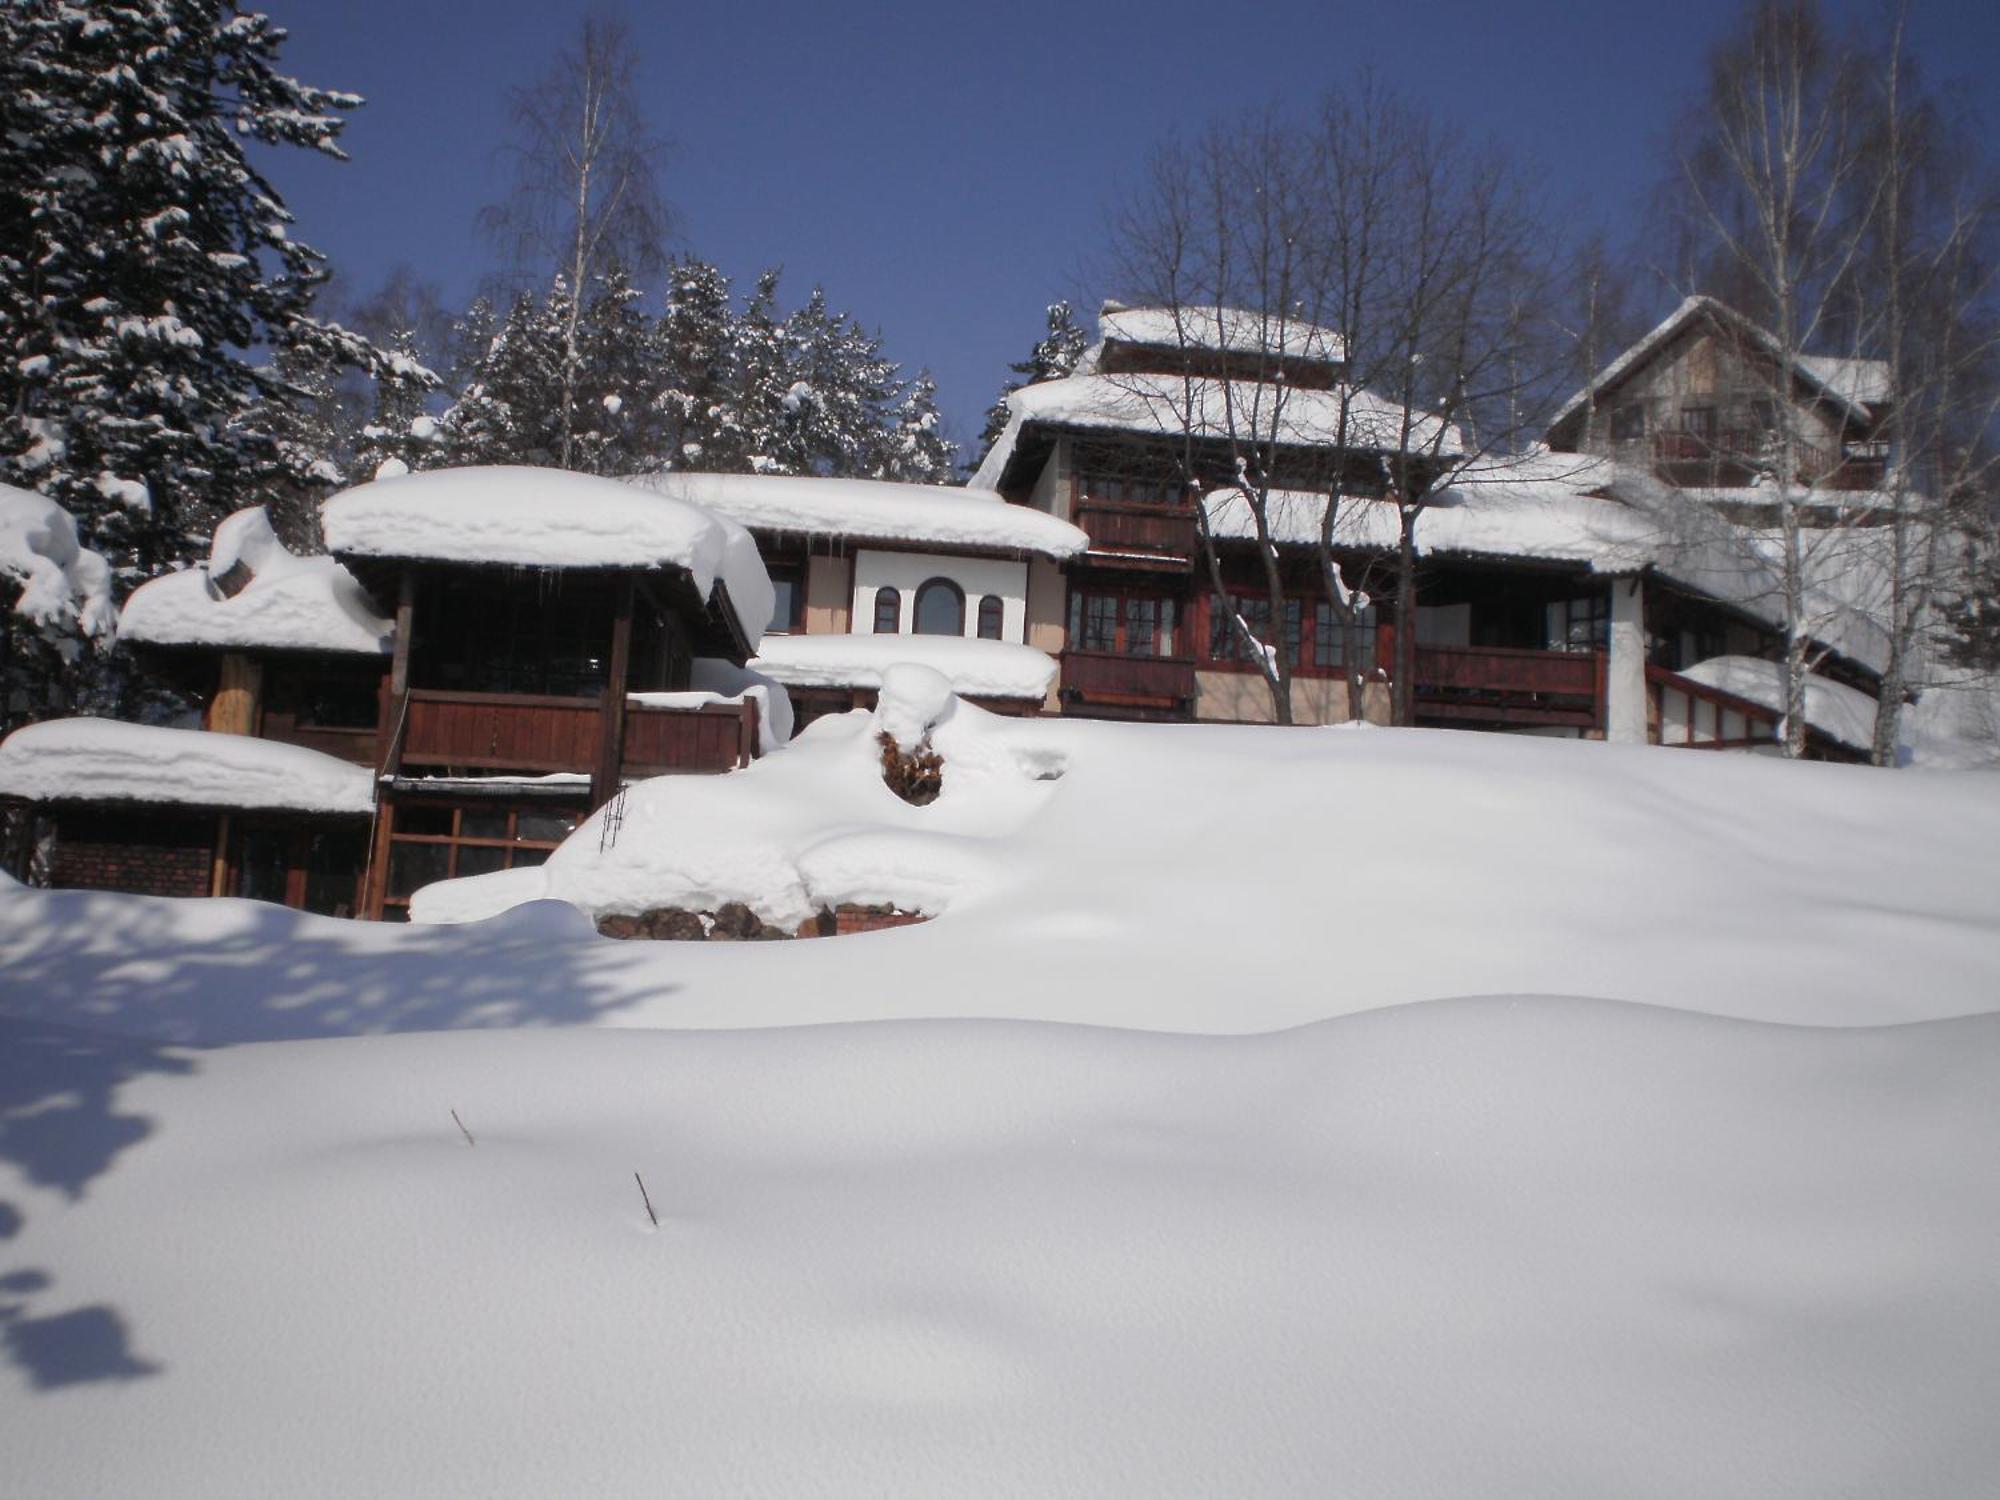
144, 854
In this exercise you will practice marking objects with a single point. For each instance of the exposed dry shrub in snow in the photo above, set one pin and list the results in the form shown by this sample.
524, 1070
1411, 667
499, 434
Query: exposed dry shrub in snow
917, 776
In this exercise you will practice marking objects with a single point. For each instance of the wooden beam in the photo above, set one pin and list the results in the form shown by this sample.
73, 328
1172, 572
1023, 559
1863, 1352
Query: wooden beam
611, 715
406, 599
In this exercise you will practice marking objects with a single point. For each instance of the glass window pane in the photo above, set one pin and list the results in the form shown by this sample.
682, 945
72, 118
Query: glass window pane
1100, 622
261, 865
992, 614
333, 871
481, 859
1142, 627
888, 611
550, 825
414, 865
483, 823
419, 817
940, 609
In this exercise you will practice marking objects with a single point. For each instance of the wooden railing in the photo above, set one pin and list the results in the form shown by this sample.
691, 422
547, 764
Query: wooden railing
1165, 530
1510, 685
1695, 716
1139, 681
665, 741
356, 745
501, 731
1739, 447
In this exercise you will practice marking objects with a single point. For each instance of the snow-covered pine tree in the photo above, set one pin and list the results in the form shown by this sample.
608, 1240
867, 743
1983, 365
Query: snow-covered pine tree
1054, 356
400, 426
691, 358
509, 410
837, 403
915, 449
750, 430
142, 258
294, 434
616, 427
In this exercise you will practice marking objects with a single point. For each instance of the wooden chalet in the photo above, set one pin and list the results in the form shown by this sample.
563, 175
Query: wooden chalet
495, 652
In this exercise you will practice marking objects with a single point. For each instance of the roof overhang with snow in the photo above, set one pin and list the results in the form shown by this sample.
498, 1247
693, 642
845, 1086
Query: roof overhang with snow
110, 761
935, 518
975, 668
517, 517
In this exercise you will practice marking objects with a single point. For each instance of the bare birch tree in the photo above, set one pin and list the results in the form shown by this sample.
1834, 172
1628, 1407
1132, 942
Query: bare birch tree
1373, 236
586, 197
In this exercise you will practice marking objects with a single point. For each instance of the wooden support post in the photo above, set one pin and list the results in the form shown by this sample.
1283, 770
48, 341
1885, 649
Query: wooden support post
611, 717
406, 599
218, 875
238, 695
746, 733
375, 881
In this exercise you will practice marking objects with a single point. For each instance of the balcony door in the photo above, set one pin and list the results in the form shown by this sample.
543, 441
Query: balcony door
1122, 622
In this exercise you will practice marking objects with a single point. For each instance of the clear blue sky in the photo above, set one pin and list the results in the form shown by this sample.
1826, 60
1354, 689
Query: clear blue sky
942, 169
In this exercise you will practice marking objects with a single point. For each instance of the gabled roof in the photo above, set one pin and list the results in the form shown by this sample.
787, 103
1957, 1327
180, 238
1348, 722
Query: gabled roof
1851, 385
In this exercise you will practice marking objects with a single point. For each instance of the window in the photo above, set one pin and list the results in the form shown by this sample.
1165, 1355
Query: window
1628, 423
992, 617
1699, 421
1329, 643
789, 617
437, 841
316, 869
1255, 611
1764, 415
1580, 624
1124, 624
940, 608
538, 631
888, 611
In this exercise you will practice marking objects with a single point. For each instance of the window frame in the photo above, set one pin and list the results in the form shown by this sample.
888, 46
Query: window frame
455, 840
930, 588
890, 597
992, 622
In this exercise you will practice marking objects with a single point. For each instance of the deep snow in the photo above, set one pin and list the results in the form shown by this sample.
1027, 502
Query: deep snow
1503, 1245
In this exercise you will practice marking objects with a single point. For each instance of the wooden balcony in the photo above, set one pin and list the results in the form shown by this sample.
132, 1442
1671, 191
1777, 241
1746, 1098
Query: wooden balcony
501, 733
1140, 533
681, 741
1109, 679
1509, 687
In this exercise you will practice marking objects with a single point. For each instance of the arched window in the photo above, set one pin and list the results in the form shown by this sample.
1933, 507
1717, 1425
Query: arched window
940, 608
991, 613
888, 611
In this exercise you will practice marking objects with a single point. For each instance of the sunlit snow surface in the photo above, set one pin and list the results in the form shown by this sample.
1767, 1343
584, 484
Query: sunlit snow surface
1493, 1246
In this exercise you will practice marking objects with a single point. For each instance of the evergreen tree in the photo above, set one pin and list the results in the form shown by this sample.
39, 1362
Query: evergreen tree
1054, 356
837, 402
143, 256
915, 448
693, 343
509, 411
295, 435
616, 427
400, 427
750, 430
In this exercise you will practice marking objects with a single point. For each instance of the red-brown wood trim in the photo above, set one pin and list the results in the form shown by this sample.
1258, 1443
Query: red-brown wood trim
611, 727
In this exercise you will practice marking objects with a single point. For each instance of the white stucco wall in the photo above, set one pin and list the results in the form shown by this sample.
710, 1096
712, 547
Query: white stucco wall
908, 571
1625, 667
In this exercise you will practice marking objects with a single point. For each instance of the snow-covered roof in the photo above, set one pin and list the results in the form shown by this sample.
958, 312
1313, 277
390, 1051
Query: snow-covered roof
1169, 405
1841, 713
1538, 505
548, 518
61, 583
975, 668
107, 760
1862, 380
873, 510
1233, 329
1849, 383
1573, 508
288, 602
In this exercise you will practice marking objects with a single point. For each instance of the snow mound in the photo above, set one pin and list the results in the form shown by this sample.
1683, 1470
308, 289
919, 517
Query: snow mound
107, 760
548, 518
287, 603
1235, 329
913, 701
63, 584
941, 517
974, 668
